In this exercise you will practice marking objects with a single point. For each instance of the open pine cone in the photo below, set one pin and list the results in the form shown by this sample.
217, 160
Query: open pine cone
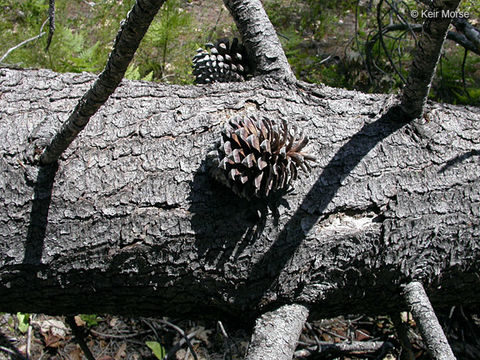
222, 62
258, 157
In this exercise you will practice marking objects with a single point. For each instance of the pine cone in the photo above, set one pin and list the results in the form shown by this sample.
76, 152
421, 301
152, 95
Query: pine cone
259, 157
222, 63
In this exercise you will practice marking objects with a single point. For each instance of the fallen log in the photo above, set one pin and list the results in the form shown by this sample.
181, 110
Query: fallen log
129, 221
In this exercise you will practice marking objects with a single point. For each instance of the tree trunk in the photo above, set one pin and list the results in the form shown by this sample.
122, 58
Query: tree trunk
130, 222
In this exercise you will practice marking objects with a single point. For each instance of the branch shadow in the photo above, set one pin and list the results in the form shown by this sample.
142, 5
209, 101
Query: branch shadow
9, 348
37, 226
458, 159
320, 195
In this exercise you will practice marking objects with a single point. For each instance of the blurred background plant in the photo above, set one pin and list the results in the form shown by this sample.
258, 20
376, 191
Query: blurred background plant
330, 42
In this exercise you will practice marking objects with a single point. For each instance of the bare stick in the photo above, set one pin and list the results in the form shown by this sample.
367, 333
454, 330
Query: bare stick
343, 348
424, 315
382, 42
80, 337
260, 38
126, 43
427, 54
14, 354
51, 25
276, 333
20, 45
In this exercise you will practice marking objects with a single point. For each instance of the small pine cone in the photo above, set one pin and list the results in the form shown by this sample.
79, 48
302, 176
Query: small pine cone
258, 157
222, 62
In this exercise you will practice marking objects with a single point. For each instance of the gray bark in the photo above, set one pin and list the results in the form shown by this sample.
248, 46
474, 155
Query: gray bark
260, 38
424, 315
427, 54
131, 222
472, 34
276, 333
126, 43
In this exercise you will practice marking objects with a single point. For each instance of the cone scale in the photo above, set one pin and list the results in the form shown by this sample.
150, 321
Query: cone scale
259, 157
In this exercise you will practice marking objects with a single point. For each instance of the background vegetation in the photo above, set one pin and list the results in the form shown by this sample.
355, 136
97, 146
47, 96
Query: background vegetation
325, 41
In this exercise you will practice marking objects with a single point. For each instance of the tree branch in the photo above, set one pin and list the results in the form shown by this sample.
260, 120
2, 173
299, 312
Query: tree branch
427, 54
424, 315
276, 333
260, 38
51, 21
126, 43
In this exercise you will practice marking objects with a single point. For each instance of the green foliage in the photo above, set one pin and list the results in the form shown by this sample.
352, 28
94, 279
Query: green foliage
23, 322
157, 349
90, 319
319, 39
168, 42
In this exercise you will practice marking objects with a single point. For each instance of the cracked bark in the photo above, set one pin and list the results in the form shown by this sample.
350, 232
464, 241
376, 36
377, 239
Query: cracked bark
427, 54
133, 223
126, 43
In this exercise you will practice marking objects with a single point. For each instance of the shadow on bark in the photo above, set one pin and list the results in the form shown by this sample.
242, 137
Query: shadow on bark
37, 226
320, 195
216, 210
459, 159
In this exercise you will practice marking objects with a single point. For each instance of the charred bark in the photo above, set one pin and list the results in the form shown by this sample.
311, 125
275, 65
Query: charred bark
130, 221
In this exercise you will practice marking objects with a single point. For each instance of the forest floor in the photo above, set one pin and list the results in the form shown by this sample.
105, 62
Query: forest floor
111, 337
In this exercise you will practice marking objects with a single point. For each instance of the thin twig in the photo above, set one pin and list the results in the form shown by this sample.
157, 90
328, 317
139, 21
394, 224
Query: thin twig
216, 24
51, 22
179, 345
177, 329
114, 336
20, 45
29, 340
382, 42
310, 329
464, 62
226, 340
356, 347
182, 333
15, 354
79, 336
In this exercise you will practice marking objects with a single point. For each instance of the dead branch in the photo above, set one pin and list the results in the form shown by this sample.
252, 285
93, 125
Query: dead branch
424, 315
260, 38
427, 54
344, 348
126, 43
51, 20
276, 333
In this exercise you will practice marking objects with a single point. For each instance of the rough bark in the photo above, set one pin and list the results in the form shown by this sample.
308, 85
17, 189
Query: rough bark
126, 43
470, 33
260, 38
130, 222
276, 333
427, 54
424, 315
